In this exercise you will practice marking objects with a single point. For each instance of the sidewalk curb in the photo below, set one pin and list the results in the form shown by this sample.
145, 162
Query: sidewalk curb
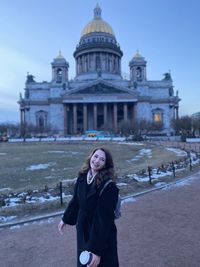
51, 215
160, 187
33, 219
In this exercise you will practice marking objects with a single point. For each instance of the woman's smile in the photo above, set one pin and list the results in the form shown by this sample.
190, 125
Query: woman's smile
98, 160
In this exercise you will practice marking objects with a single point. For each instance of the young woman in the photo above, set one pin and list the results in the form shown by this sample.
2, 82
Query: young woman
94, 214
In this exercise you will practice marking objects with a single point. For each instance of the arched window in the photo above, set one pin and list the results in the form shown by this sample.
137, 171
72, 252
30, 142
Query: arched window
41, 120
59, 76
139, 73
157, 115
98, 64
86, 64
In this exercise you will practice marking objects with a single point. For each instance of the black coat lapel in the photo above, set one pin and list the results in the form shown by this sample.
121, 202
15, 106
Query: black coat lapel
84, 193
82, 190
92, 191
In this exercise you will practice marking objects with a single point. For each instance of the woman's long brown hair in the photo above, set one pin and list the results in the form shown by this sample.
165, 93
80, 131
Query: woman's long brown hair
107, 172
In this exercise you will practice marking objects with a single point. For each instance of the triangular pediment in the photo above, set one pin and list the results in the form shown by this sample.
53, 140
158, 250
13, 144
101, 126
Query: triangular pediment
99, 88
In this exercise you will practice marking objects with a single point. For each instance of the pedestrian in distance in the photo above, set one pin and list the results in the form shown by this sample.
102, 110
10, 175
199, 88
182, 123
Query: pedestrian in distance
92, 211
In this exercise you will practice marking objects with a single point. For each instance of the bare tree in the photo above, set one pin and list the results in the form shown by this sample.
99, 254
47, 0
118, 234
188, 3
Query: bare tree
125, 127
183, 126
107, 127
30, 130
156, 126
196, 126
9, 129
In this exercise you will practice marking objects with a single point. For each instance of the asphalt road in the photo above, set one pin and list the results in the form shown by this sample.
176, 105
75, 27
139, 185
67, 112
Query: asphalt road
158, 229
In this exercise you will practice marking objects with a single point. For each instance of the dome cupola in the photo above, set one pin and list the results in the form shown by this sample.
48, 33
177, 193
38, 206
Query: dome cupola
97, 25
98, 53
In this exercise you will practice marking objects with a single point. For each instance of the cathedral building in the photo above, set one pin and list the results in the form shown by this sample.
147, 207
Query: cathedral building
98, 97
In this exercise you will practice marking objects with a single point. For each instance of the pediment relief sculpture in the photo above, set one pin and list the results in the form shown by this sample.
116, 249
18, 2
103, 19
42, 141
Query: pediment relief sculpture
100, 89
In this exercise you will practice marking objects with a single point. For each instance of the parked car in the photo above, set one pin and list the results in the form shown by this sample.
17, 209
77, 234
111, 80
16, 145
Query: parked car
3, 138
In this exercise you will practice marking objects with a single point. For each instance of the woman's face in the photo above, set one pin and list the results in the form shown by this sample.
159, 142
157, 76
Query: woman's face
98, 160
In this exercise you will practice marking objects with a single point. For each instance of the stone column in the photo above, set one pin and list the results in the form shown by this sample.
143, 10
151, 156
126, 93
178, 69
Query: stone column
85, 63
176, 112
78, 66
88, 63
105, 114
21, 121
100, 60
115, 116
125, 112
95, 115
106, 62
64, 122
75, 118
117, 70
24, 123
145, 73
21, 117
133, 119
112, 63
66, 110
84, 117
81, 65
92, 62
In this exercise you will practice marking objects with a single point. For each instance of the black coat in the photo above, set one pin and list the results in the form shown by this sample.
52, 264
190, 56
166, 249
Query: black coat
94, 219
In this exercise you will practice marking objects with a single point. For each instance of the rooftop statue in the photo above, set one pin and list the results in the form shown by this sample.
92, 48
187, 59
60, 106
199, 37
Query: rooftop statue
167, 76
30, 78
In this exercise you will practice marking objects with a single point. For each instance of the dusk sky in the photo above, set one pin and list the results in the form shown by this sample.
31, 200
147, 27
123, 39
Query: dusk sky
166, 33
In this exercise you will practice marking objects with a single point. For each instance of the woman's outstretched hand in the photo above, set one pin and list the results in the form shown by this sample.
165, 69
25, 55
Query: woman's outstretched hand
61, 227
95, 261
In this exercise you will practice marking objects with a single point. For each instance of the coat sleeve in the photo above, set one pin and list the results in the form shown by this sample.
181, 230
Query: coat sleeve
71, 212
103, 221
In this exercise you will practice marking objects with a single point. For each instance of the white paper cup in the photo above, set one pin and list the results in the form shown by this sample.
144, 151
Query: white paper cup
85, 257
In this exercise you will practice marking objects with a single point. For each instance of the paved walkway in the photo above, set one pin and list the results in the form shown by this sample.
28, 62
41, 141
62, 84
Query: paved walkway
158, 229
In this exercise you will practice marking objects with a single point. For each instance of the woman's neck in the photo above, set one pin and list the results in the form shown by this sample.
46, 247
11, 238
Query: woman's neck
93, 172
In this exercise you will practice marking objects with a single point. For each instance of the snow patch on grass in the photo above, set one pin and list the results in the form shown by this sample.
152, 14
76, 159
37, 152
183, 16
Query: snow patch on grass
178, 152
5, 219
121, 184
142, 153
131, 143
4, 189
39, 166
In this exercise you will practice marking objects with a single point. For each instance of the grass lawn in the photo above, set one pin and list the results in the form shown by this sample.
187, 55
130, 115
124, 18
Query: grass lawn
35, 165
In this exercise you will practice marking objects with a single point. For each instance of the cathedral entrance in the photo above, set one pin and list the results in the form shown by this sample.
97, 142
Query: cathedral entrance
96, 116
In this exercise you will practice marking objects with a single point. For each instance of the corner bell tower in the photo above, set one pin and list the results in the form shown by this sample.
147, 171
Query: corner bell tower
60, 69
138, 68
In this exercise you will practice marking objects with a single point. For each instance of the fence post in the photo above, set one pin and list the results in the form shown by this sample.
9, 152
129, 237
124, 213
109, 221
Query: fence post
61, 198
190, 164
149, 172
173, 169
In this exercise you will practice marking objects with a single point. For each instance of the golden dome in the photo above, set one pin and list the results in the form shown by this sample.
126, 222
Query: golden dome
97, 24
